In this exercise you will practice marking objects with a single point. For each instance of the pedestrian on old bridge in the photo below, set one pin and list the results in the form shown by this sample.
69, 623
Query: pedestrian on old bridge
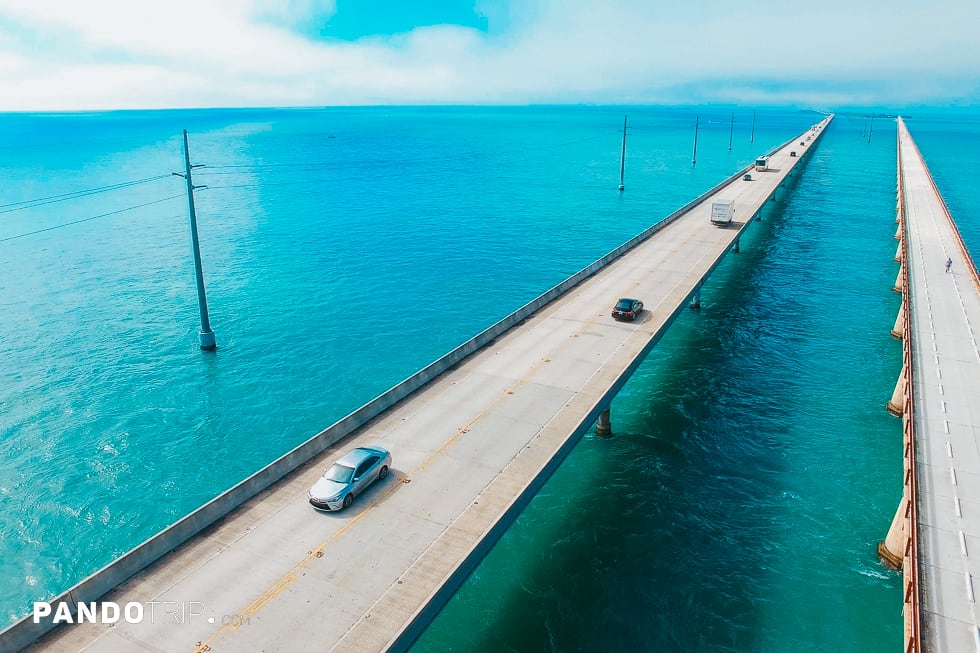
949, 264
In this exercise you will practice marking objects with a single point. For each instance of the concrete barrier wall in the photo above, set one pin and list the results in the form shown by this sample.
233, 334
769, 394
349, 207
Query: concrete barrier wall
25, 631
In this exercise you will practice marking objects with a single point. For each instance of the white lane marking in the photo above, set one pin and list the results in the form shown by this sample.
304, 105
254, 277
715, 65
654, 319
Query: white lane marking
949, 450
969, 587
939, 373
952, 475
940, 387
963, 544
946, 426
943, 405
957, 506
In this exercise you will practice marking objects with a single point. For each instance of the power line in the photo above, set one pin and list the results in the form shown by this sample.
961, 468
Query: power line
234, 169
38, 145
94, 217
315, 167
213, 169
41, 201
398, 174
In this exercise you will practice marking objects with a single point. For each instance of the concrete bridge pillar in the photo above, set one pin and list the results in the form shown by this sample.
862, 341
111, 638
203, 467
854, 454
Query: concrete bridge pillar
896, 406
898, 331
898, 232
892, 549
899, 282
696, 298
898, 253
604, 427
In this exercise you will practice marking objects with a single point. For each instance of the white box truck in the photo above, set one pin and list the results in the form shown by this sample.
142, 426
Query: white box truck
722, 212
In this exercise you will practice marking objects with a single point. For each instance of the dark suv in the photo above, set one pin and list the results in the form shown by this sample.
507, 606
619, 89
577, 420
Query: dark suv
627, 309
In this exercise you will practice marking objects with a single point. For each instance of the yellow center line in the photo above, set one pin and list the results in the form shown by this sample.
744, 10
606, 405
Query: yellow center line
288, 578
466, 427
510, 390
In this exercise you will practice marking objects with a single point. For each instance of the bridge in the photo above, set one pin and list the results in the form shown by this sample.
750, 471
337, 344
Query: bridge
935, 536
474, 436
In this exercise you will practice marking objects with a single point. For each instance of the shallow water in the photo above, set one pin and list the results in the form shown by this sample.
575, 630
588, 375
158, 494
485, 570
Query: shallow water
753, 468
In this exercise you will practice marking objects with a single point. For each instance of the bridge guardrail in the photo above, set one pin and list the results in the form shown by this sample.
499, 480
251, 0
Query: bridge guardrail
971, 264
910, 558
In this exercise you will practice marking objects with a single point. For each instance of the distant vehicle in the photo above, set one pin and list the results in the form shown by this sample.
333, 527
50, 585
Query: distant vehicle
793, 153
747, 177
348, 477
627, 309
722, 212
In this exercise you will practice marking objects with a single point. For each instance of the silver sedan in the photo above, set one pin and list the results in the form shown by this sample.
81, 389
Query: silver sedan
348, 477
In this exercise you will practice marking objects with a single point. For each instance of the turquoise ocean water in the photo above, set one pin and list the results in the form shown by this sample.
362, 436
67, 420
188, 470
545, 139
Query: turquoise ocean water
753, 468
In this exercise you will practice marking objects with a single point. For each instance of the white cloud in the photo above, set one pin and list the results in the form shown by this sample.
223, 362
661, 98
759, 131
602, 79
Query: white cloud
103, 54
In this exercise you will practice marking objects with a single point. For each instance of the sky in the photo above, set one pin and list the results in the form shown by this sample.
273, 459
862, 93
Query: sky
68, 55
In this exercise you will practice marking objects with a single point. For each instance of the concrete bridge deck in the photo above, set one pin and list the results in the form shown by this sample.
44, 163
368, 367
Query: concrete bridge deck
945, 321
469, 451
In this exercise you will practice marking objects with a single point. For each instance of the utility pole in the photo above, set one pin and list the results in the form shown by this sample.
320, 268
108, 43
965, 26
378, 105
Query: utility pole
622, 158
752, 137
694, 159
871, 129
731, 132
206, 335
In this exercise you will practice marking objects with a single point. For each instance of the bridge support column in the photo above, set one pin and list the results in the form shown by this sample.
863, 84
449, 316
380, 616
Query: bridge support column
898, 253
696, 299
898, 232
735, 247
898, 331
892, 549
899, 286
896, 406
603, 427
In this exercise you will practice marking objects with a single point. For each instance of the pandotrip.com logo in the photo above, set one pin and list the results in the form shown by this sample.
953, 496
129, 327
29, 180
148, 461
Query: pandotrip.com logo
110, 612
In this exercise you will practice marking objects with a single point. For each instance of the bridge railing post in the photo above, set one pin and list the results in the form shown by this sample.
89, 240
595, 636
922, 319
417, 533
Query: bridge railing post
902, 542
